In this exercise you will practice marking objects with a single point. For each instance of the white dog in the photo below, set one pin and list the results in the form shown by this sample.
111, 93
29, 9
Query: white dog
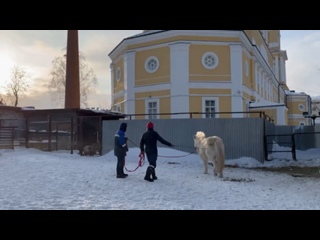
210, 149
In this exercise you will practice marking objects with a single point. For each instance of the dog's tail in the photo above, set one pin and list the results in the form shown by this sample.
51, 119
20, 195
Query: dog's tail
220, 154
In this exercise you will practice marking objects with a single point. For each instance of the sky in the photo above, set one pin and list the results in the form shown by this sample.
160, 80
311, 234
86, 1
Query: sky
34, 50
31, 179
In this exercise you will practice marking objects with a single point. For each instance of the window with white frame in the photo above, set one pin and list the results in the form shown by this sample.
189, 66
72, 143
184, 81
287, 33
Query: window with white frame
246, 68
152, 107
118, 74
118, 108
209, 107
210, 60
151, 64
301, 107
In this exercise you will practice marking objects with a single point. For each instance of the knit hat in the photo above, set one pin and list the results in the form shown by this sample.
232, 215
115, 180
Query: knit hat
150, 125
123, 126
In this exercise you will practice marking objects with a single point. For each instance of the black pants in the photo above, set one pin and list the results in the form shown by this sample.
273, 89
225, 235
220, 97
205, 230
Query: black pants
152, 159
120, 164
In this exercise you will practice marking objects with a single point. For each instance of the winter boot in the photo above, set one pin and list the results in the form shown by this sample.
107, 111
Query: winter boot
153, 174
148, 174
124, 174
121, 176
120, 173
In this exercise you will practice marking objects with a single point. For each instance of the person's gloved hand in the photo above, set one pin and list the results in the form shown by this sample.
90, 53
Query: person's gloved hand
141, 155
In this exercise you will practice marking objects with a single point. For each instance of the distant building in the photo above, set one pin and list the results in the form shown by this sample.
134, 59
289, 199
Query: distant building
172, 71
315, 103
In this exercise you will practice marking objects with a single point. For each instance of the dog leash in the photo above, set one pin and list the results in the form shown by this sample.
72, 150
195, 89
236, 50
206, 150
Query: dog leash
176, 156
140, 164
169, 156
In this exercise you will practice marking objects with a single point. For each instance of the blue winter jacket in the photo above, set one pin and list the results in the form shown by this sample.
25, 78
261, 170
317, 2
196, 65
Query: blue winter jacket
120, 143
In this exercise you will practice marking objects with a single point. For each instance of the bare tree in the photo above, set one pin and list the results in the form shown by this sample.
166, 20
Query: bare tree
17, 85
57, 84
2, 101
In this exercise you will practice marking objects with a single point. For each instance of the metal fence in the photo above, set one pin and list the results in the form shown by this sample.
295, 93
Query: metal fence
243, 137
254, 137
291, 142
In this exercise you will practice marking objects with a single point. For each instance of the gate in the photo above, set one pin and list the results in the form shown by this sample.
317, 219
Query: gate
292, 144
280, 143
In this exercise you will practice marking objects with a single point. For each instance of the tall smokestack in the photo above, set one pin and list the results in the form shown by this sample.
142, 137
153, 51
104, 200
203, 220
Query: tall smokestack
72, 95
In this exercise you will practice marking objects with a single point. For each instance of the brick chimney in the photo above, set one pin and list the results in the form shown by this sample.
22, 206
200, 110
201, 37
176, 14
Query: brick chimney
72, 94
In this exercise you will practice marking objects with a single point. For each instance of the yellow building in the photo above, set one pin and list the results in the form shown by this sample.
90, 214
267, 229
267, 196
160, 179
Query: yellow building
218, 73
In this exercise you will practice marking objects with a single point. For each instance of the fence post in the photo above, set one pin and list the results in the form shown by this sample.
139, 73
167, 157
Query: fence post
293, 148
265, 141
72, 134
12, 137
50, 132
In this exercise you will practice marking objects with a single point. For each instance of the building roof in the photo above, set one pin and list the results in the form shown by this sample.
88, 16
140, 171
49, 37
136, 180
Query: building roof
5, 107
265, 104
146, 33
105, 114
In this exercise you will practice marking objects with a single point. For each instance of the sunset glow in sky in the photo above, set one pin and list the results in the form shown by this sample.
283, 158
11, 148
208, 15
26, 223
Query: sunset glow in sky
35, 50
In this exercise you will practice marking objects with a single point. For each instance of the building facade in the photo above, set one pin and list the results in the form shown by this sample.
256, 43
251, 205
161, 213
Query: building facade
215, 73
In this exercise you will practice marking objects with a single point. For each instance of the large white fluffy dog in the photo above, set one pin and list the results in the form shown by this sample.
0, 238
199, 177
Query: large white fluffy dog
210, 149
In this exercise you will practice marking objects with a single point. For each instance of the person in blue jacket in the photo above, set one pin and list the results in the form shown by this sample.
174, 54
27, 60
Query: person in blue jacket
120, 149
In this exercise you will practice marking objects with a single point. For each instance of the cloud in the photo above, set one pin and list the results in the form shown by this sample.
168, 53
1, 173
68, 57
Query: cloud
37, 99
303, 67
96, 46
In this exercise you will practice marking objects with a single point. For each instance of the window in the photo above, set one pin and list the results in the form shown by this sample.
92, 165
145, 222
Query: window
209, 106
117, 108
118, 74
152, 107
301, 107
246, 68
210, 60
152, 64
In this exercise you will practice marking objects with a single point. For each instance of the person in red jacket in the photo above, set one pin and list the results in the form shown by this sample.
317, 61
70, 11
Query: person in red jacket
148, 146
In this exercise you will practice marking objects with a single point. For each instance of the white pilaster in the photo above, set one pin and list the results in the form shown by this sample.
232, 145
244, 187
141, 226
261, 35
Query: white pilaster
282, 70
129, 79
112, 86
256, 74
236, 79
281, 115
179, 76
277, 67
269, 89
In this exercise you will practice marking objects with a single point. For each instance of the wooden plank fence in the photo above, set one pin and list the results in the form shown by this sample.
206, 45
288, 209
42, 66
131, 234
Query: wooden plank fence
6, 137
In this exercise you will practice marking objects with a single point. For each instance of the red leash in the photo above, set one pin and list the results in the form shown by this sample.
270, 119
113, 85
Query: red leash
140, 164
176, 156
